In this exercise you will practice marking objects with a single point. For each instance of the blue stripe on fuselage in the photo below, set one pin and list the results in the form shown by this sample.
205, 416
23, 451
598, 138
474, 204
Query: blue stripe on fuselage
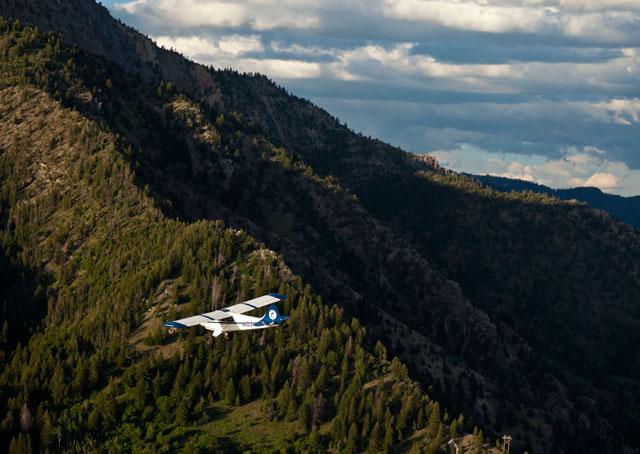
174, 325
247, 323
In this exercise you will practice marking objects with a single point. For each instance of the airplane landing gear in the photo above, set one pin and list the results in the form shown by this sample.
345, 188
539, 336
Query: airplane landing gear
208, 340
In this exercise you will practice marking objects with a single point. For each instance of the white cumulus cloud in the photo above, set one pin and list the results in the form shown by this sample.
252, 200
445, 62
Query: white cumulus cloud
230, 50
581, 19
577, 167
225, 46
622, 111
484, 17
259, 15
604, 181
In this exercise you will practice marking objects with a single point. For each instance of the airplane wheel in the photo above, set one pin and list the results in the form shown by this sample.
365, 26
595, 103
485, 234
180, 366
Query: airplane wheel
172, 330
227, 336
209, 340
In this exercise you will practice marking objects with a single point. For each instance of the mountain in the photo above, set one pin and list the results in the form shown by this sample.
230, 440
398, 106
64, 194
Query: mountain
518, 309
626, 209
92, 264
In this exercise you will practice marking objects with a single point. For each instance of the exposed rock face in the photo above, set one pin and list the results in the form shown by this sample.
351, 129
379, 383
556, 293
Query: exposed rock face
88, 24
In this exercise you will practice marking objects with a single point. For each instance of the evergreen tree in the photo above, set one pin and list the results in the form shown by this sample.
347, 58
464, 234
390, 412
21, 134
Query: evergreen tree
304, 416
375, 439
478, 440
388, 438
245, 388
433, 424
352, 441
230, 393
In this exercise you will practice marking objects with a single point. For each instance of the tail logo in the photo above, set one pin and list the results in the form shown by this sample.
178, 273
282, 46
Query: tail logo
272, 314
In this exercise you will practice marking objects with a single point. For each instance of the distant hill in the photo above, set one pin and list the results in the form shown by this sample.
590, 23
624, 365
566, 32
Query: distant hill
627, 209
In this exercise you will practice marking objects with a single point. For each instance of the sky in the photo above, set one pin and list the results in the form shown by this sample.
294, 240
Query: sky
542, 90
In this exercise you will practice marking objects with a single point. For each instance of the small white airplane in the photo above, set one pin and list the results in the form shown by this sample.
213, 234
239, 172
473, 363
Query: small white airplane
215, 321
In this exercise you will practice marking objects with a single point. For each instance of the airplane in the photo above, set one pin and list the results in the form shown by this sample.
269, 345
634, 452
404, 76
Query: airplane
215, 321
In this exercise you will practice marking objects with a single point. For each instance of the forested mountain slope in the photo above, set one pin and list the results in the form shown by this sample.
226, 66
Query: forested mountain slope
421, 255
625, 208
86, 366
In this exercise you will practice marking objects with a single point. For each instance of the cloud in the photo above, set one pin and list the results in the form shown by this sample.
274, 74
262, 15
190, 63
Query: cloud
258, 15
298, 49
622, 111
240, 45
401, 60
399, 64
532, 126
189, 12
362, 63
225, 46
517, 78
604, 181
579, 19
605, 22
576, 167
230, 51
587, 5
281, 69
207, 50
473, 16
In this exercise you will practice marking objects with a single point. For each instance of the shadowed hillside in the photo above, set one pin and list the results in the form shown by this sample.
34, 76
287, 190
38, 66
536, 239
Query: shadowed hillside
627, 209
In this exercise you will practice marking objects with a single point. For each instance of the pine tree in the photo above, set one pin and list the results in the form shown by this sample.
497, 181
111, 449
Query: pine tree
230, 393
304, 416
303, 376
245, 388
433, 424
388, 438
47, 434
375, 439
478, 440
352, 439
380, 351
20, 445
454, 429
291, 410
322, 380
435, 444
57, 385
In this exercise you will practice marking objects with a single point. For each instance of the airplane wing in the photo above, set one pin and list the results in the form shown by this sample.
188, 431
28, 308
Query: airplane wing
220, 314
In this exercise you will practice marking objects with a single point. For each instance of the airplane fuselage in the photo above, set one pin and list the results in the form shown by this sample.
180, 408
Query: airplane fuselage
239, 323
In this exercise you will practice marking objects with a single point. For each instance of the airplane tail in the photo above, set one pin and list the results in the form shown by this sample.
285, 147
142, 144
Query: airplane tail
272, 316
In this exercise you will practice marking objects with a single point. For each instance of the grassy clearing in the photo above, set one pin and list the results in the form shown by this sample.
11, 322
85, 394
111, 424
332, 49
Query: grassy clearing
248, 426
